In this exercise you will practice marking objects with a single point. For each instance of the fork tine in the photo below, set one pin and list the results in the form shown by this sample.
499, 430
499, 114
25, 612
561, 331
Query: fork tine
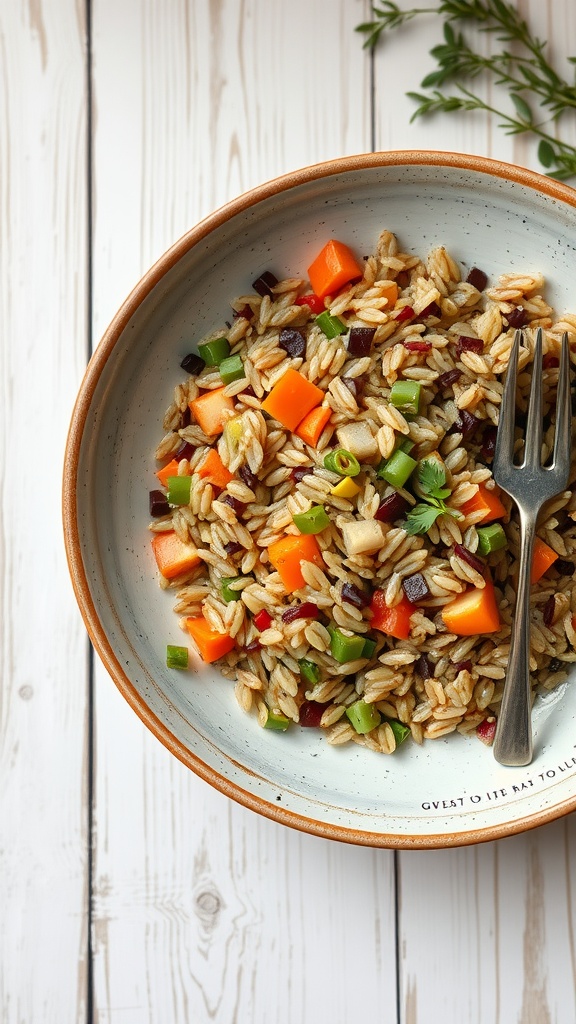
504, 451
533, 438
563, 438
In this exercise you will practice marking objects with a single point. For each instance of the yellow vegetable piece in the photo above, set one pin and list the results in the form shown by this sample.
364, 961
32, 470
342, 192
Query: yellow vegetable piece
347, 488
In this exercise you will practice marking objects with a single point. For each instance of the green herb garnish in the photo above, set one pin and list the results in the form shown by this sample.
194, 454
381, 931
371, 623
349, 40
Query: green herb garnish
522, 68
430, 480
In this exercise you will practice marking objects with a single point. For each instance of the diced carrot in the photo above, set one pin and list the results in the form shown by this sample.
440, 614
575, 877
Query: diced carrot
287, 555
486, 500
211, 644
310, 428
208, 410
214, 470
292, 398
390, 290
333, 267
170, 469
473, 612
542, 558
392, 621
173, 556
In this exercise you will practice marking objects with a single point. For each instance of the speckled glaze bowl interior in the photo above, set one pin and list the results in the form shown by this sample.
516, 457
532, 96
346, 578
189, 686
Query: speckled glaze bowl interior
447, 792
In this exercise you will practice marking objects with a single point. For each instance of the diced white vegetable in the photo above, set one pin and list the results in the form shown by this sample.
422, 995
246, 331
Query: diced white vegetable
358, 439
363, 537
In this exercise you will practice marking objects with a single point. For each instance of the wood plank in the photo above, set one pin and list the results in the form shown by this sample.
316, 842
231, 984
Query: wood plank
486, 933
43, 664
204, 911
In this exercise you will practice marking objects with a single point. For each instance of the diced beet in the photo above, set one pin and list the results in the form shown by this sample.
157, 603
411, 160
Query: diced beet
548, 611
477, 278
185, 451
315, 303
301, 611
310, 714
262, 620
158, 504
489, 442
253, 646
516, 318
265, 283
360, 341
249, 391
475, 563
248, 477
192, 363
406, 313
463, 666
299, 472
450, 377
466, 344
433, 309
391, 508
423, 668
418, 346
234, 504
486, 731
246, 312
550, 362
415, 588
293, 342
467, 424
353, 595
563, 566
233, 547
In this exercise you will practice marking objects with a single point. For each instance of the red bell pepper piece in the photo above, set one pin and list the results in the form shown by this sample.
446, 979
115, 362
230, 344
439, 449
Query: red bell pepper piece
392, 621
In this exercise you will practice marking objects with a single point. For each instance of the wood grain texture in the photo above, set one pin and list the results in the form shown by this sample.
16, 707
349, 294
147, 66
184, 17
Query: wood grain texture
227, 916
43, 666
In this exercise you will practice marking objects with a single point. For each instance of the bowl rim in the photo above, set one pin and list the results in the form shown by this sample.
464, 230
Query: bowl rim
461, 161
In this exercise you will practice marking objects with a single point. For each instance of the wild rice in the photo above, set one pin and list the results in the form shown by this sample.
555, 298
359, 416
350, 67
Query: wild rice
433, 683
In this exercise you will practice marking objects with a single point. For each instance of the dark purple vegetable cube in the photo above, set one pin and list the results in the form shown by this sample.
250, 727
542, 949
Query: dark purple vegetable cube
353, 595
158, 504
299, 472
192, 363
265, 283
516, 318
423, 668
475, 563
185, 451
477, 278
248, 477
233, 547
467, 424
548, 611
450, 377
466, 344
360, 341
310, 714
433, 309
415, 588
234, 504
391, 508
293, 342
489, 442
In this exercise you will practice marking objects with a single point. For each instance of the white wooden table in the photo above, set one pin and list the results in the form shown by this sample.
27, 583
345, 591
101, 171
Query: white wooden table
130, 891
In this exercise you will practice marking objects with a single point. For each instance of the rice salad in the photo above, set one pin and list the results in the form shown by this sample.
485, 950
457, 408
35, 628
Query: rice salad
325, 512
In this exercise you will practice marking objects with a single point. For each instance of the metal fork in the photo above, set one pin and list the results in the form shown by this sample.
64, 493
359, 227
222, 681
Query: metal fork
530, 484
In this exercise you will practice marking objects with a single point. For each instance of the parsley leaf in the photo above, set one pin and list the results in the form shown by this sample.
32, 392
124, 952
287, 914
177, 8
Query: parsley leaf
421, 518
431, 476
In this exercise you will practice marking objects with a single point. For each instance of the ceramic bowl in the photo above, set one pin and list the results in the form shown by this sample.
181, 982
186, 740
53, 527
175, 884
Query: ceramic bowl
447, 792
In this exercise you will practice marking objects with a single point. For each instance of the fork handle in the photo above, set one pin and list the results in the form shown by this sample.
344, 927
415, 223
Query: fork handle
513, 739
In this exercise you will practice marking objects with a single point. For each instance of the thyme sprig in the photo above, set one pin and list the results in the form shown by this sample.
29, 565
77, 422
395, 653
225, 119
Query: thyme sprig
523, 70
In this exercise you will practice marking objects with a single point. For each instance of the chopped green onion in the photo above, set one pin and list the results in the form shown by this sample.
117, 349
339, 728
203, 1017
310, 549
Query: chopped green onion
491, 538
369, 648
314, 520
231, 368
363, 717
309, 671
406, 446
213, 352
345, 648
179, 490
176, 657
331, 326
400, 731
396, 470
342, 462
277, 721
228, 592
405, 396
